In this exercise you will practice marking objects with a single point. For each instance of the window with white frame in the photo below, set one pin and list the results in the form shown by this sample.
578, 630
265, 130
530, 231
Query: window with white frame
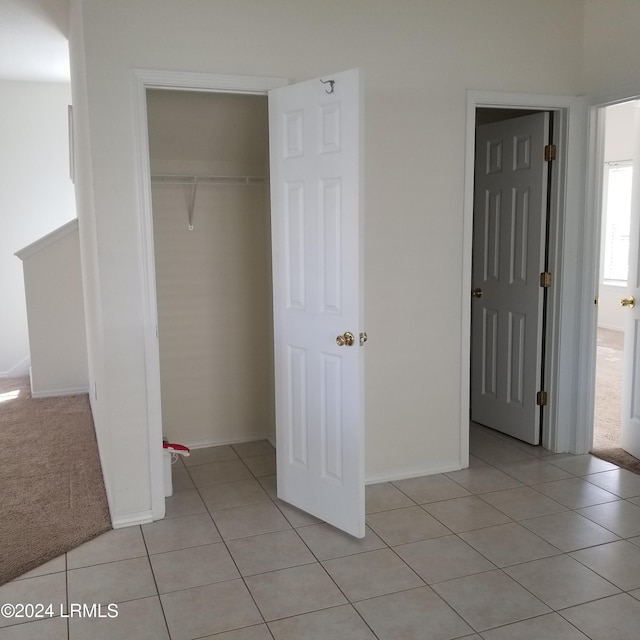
617, 219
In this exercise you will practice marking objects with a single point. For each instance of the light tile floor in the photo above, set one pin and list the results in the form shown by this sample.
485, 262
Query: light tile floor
523, 544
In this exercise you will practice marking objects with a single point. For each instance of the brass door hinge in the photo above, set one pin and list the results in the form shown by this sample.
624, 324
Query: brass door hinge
545, 279
542, 398
550, 152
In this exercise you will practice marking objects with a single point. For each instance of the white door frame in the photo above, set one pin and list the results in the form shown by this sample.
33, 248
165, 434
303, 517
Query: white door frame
141, 80
566, 296
591, 262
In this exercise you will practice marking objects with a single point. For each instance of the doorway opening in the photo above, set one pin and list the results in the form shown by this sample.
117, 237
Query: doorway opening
144, 80
510, 256
209, 162
316, 177
616, 179
563, 356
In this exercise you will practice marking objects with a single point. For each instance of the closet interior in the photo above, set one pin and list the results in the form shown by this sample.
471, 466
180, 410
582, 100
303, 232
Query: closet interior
209, 160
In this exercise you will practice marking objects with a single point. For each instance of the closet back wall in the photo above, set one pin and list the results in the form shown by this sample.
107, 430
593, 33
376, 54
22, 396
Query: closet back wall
213, 283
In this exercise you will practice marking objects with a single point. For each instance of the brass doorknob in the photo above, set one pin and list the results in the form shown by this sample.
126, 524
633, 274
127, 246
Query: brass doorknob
476, 293
630, 302
346, 339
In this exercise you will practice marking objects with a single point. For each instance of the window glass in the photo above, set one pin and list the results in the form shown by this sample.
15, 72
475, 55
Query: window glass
617, 216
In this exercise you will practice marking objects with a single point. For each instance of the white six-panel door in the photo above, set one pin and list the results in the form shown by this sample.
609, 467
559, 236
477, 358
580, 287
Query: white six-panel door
315, 142
508, 257
630, 428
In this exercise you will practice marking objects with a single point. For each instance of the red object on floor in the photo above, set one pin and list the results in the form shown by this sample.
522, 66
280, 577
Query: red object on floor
176, 448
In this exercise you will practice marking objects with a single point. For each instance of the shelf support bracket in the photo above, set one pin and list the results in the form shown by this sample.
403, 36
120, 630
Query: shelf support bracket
192, 204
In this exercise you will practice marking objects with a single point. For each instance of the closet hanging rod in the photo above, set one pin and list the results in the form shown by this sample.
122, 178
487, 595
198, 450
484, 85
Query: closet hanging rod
178, 179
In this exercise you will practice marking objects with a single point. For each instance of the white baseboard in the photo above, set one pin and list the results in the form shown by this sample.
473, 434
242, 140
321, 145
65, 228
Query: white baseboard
217, 442
414, 472
390, 476
19, 370
611, 327
59, 392
131, 520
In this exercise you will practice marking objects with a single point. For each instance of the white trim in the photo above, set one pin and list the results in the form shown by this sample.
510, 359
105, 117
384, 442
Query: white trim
214, 442
60, 392
415, 472
71, 135
19, 370
141, 517
48, 239
614, 97
566, 299
215, 83
141, 80
565, 251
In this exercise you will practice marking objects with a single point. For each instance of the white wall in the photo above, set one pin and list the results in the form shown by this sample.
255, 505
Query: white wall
418, 60
36, 196
618, 144
97, 355
611, 47
55, 313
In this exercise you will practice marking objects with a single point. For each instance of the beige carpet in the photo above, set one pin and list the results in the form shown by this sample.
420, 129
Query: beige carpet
51, 485
608, 404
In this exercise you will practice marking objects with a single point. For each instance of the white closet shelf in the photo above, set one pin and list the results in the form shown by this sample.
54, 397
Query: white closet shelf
180, 179
194, 181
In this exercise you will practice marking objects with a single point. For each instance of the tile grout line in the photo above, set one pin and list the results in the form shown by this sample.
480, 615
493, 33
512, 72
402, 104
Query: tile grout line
387, 546
310, 551
567, 553
155, 582
317, 561
561, 552
224, 541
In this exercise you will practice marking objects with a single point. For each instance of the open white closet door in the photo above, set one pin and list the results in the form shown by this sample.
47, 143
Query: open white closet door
315, 152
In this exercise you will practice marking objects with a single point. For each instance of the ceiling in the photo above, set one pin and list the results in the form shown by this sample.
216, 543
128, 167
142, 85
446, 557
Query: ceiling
33, 40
